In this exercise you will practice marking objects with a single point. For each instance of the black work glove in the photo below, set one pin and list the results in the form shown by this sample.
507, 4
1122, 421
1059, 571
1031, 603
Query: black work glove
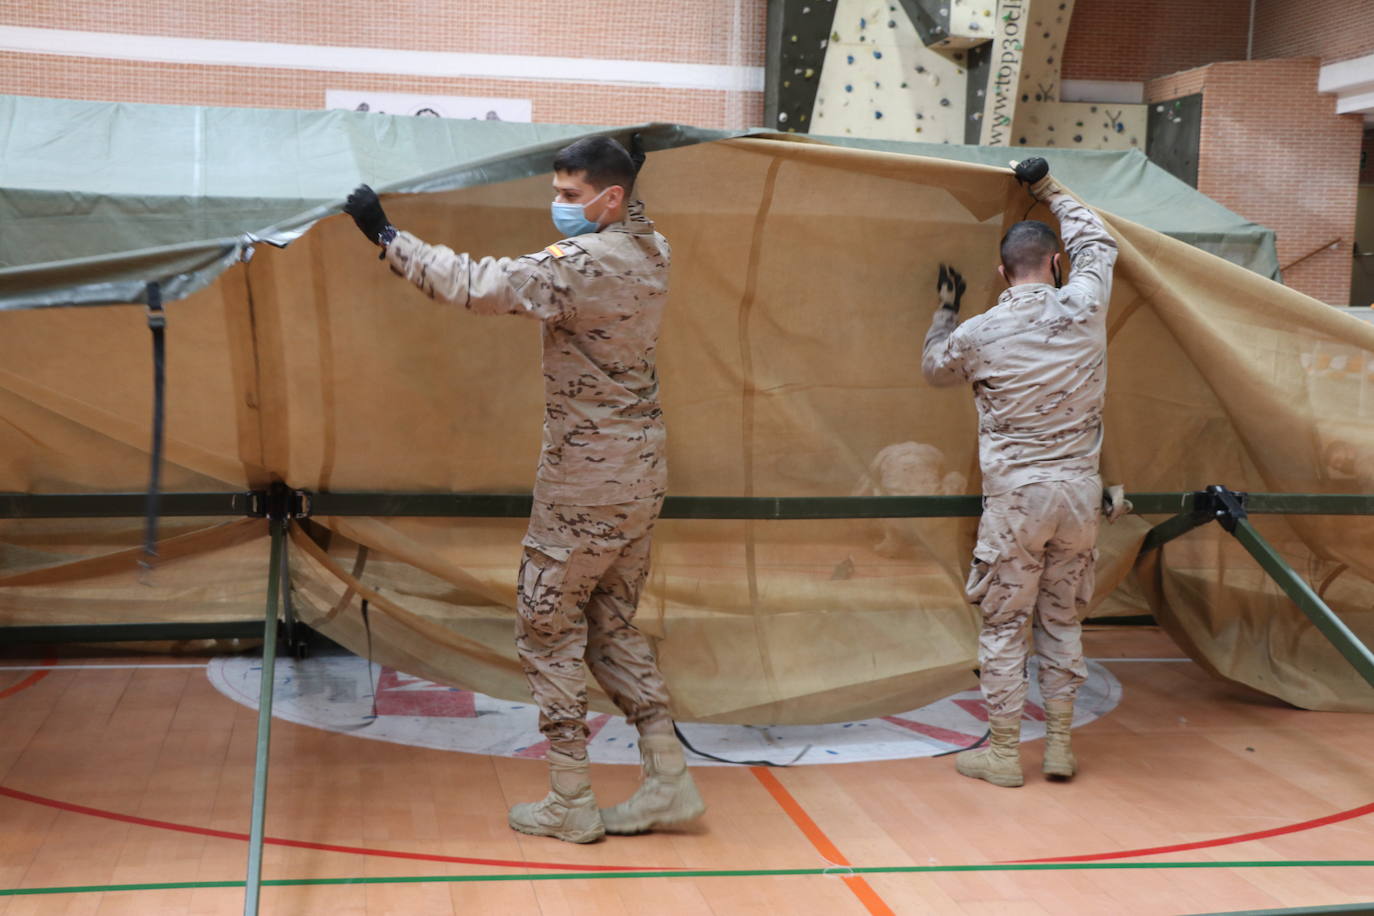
1034, 173
950, 288
636, 151
369, 216
1029, 171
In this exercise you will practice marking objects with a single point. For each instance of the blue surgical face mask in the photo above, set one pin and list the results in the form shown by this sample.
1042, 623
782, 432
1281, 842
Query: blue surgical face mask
571, 219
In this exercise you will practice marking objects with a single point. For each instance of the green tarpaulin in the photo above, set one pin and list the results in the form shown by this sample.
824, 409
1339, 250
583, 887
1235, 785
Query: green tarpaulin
97, 199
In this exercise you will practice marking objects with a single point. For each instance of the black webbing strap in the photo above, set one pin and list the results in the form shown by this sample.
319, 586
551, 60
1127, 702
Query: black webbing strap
157, 323
371, 678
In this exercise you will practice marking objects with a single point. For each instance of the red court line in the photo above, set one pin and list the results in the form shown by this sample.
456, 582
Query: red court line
828, 850
304, 844
1221, 841
29, 681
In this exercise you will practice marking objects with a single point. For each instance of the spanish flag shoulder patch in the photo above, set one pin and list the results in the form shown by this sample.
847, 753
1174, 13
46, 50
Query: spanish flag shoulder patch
555, 250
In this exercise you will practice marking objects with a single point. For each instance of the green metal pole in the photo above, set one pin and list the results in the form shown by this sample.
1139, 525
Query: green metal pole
1331, 626
269, 663
1175, 527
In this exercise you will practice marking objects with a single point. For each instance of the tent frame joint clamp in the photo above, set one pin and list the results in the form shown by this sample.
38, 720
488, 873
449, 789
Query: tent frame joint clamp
1226, 506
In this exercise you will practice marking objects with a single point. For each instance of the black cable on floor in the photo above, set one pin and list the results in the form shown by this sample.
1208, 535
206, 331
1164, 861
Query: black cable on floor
744, 763
960, 750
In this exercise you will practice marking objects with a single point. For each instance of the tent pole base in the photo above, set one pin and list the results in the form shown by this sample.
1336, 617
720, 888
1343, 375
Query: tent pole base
253, 884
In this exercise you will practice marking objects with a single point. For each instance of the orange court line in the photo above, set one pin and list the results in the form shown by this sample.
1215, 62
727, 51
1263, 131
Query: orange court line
29, 681
861, 888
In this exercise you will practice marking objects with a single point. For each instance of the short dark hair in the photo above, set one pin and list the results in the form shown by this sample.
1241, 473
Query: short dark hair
1026, 246
603, 160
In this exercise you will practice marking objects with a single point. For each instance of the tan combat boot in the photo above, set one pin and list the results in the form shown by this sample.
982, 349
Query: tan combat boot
1000, 762
1059, 759
666, 796
569, 811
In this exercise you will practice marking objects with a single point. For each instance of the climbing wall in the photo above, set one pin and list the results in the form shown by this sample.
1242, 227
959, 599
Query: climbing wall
799, 34
1040, 118
940, 71
1005, 57
1080, 125
951, 25
880, 80
1176, 136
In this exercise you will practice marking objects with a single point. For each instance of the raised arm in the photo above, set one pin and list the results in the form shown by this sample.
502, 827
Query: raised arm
1092, 250
526, 286
490, 286
943, 360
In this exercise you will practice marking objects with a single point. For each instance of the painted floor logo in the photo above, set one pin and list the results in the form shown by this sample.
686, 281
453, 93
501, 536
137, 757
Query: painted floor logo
336, 693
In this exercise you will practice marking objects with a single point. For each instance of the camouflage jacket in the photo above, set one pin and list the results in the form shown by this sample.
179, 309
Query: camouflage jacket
1037, 361
600, 298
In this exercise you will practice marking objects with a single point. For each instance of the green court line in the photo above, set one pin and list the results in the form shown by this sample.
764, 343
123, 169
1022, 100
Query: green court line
832, 871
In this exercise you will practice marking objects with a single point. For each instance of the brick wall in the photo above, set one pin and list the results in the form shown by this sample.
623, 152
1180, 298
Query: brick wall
1330, 29
1142, 39
255, 87
1276, 152
655, 30
725, 32
1177, 85
1145, 39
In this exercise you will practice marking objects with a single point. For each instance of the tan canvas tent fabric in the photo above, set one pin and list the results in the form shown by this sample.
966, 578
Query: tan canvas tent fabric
802, 284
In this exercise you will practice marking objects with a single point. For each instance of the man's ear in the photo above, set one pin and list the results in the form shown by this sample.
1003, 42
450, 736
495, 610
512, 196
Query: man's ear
1002, 272
615, 196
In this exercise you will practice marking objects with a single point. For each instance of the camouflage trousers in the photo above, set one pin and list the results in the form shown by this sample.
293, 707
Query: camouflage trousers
580, 580
1033, 568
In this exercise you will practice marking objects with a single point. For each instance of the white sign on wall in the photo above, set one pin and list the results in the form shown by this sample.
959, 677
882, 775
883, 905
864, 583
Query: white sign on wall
432, 106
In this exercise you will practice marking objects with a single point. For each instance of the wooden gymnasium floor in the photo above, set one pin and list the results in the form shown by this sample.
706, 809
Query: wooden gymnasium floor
1193, 797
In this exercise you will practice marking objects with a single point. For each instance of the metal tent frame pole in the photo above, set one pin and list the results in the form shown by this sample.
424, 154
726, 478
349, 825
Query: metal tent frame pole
275, 585
281, 505
1232, 510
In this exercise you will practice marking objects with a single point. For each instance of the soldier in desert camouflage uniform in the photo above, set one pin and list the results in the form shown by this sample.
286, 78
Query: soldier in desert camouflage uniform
599, 294
1037, 362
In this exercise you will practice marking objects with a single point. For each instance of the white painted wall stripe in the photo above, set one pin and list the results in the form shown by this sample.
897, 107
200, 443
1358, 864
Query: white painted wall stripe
1117, 91
216, 52
1347, 75
1352, 82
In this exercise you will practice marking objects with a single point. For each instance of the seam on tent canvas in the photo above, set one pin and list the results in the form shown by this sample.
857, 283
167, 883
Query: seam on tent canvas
746, 306
329, 433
